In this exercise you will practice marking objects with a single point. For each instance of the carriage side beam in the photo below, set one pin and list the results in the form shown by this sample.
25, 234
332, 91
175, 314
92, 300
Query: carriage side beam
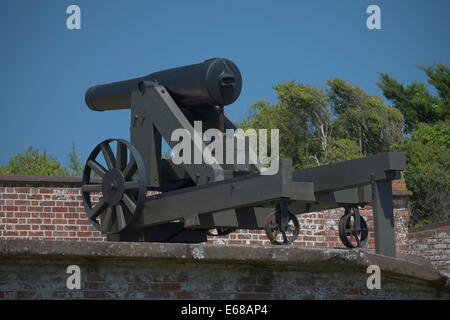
241, 192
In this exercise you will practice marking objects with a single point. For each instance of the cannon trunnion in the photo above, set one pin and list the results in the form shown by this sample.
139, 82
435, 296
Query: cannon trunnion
131, 193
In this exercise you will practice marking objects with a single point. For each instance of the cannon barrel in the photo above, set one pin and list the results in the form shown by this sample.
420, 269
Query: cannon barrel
215, 81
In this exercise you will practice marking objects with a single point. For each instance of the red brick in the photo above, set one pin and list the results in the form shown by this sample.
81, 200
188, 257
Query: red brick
253, 296
170, 286
22, 189
185, 295
71, 215
59, 221
84, 234
71, 203
320, 244
59, 209
60, 234
10, 208
45, 190
23, 227
22, 202
10, 196
9, 220
10, 233
35, 209
34, 196
34, 221
47, 203
25, 294
36, 234
74, 191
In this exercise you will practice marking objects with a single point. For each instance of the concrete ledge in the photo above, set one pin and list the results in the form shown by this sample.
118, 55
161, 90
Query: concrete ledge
43, 180
251, 255
76, 181
431, 226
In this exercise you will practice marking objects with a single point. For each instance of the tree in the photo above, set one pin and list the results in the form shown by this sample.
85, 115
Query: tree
364, 119
415, 101
33, 163
75, 167
427, 173
303, 118
322, 125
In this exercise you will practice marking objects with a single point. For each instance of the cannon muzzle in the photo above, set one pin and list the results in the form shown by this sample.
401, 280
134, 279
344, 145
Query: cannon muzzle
215, 81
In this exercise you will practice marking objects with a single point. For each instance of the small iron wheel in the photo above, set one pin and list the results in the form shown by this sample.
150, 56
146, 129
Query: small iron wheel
220, 232
122, 190
350, 235
275, 232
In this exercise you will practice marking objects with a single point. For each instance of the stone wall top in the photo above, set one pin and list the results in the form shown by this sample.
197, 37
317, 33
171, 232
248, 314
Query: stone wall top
203, 253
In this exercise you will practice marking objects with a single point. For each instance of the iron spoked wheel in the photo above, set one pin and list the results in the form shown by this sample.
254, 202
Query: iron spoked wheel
350, 235
220, 232
274, 231
123, 186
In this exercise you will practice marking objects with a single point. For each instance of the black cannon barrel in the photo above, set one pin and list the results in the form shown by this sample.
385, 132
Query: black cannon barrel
215, 81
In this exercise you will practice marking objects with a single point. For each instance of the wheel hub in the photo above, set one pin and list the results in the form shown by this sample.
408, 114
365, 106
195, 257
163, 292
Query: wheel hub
113, 186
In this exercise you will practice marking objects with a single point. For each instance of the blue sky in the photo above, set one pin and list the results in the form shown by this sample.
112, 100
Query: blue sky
45, 68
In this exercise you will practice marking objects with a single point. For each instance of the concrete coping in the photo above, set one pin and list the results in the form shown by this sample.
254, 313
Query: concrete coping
431, 226
202, 253
43, 180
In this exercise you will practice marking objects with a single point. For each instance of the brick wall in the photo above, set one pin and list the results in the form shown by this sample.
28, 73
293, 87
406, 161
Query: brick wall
44, 208
320, 230
432, 242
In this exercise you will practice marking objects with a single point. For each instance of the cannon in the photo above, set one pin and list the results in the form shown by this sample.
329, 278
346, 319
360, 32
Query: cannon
132, 193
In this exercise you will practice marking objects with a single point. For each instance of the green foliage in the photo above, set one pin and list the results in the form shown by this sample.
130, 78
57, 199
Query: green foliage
344, 149
33, 163
322, 125
364, 119
415, 101
439, 134
427, 173
342, 122
422, 223
75, 163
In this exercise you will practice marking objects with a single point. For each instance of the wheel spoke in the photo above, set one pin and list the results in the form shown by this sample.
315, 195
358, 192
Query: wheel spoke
97, 209
108, 155
130, 169
91, 188
120, 217
121, 160
97, 167
357, 241
107, 220
349, 231
130, 203
131, 185
285, 239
